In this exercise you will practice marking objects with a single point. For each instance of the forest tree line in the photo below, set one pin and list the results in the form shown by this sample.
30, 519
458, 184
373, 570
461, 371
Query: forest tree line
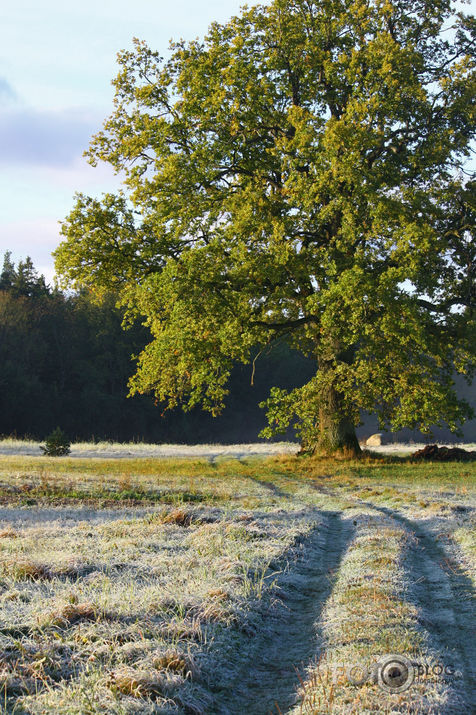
66, 360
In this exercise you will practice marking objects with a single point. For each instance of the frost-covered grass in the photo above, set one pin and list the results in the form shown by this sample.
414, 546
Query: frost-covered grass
138, 450
200, 586
130, 607
127, 450
368, 616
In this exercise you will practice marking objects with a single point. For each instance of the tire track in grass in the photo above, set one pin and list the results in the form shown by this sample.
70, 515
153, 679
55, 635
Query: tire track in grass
270, 487
278, 653
446, 597
373, 611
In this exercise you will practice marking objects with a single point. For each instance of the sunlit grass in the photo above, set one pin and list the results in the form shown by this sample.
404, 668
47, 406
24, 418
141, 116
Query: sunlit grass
147, 581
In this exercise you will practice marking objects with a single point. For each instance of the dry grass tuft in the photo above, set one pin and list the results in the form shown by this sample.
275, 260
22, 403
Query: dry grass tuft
218, 594
175, 662
140, 683
189, 629
23, 569
8, 533
215, 612
70, 613
179, 517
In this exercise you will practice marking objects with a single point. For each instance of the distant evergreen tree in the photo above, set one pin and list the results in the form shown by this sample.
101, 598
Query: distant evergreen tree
27, 282
8, 274
56, 444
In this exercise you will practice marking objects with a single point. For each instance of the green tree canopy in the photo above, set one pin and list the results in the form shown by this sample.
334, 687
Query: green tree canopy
299, 174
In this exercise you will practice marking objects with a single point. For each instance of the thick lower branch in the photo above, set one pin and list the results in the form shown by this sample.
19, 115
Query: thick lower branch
286, 324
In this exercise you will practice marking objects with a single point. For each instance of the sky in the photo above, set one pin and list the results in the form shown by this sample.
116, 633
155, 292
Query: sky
57, 60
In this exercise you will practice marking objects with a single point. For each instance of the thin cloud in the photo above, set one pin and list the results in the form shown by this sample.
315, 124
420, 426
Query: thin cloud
44, 138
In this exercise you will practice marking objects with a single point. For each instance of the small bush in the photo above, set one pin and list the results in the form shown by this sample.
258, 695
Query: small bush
56, 444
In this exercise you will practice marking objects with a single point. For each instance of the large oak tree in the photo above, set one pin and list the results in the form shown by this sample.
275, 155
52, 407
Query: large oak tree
301, 174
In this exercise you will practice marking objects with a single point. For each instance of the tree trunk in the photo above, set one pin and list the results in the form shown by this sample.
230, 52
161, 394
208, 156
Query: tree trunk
334, 432
336, 429
336, 435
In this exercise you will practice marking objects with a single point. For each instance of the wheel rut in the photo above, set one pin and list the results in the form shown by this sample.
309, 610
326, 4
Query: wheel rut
446, 599
290, 637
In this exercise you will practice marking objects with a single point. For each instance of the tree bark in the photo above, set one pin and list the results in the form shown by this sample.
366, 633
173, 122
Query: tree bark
336, 429
336, 435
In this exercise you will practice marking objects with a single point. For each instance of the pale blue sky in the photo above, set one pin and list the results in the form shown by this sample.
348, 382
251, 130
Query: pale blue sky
57, 59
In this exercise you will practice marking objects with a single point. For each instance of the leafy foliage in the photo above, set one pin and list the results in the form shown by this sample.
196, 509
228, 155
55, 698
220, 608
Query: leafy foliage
66, 359
296, 175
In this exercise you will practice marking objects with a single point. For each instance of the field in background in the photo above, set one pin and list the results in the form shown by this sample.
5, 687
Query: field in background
218, 585
118, 450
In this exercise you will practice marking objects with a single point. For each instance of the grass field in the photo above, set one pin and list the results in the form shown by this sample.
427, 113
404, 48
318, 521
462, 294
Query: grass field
248, 585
